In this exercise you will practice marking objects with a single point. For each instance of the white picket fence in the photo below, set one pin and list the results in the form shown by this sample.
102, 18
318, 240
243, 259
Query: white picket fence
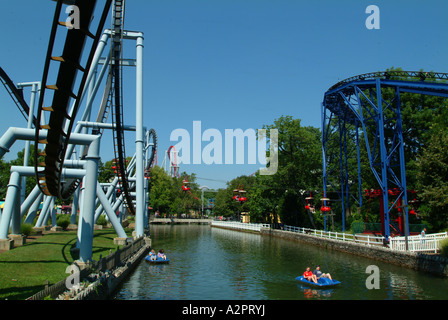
427, 243
240, 225
367, 239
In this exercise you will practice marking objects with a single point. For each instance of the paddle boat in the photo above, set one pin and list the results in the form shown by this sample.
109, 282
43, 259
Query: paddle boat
158, 260
321, 282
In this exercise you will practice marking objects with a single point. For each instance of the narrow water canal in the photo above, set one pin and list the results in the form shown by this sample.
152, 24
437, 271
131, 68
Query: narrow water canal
216, 264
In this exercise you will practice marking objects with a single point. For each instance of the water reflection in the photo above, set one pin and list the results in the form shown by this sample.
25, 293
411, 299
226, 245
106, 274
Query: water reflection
309, 293
218, 264
405, 288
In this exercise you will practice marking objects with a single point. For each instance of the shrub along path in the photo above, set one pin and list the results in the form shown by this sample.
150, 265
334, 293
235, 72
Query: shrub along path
25, 269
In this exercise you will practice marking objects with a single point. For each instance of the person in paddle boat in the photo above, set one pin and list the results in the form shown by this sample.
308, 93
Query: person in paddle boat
161, 254
152, 255
309, 275
318, 273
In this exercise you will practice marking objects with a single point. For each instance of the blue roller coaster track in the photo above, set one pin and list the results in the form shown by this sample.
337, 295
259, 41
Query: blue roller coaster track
357, 112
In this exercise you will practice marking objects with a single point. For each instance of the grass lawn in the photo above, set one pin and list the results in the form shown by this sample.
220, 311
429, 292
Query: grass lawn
24, 270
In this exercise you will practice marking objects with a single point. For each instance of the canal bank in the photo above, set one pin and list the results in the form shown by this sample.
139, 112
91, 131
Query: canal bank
98, 280
219, 264
430, 263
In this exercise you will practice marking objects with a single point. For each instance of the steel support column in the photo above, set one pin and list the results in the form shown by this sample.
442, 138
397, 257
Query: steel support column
88, 205
34, 208
139, 142
383, 155
110, 212
10, 209
324, 153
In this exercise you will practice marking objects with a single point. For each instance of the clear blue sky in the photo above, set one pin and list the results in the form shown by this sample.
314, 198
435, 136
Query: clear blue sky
237, 63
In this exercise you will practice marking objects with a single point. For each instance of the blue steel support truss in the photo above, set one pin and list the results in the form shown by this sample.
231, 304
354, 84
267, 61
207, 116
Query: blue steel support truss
360, 104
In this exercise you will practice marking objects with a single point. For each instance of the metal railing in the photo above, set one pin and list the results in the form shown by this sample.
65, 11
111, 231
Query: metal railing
240, 225
366, 239
427, 243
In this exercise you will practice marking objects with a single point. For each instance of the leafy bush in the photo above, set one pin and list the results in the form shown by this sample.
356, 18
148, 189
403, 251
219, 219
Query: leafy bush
26, 229
63, 221
443, 245
102, 221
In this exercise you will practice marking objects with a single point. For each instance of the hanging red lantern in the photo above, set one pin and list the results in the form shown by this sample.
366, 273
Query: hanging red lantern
324, 207
185, 186
242, 195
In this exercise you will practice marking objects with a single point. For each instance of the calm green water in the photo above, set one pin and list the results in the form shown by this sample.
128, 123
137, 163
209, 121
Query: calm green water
216, 264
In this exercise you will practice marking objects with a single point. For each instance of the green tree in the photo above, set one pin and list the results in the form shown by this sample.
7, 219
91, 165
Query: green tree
299, 171
432, 174
185, 200
4, 178
225, 205
105, 171
262, 200
160, 190
166, 194
5, 171
222, 203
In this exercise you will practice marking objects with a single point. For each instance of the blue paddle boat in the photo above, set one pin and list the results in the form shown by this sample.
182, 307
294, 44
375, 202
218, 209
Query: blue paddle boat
321, 282
157, 261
